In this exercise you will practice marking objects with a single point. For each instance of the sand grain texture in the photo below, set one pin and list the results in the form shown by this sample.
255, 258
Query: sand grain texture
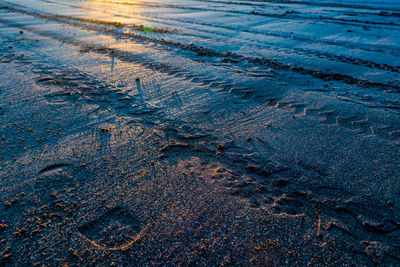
145, 133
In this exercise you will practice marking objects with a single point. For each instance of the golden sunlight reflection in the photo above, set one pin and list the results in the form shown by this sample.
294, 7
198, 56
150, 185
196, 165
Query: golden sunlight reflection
117, 13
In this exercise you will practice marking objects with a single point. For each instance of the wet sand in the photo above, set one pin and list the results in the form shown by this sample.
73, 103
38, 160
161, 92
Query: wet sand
252, 133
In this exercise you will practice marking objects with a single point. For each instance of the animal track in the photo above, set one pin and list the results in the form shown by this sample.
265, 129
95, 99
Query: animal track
117, 229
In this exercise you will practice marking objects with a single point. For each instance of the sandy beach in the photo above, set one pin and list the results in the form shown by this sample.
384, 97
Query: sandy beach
199, 132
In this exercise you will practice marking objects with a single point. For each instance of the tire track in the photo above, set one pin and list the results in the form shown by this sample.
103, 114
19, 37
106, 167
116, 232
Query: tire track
323, 4
289, 36
202, 51
296, 50
130, 58
355, 122
289, 15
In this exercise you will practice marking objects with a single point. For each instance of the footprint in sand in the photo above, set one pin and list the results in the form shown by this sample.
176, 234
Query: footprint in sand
115, 230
